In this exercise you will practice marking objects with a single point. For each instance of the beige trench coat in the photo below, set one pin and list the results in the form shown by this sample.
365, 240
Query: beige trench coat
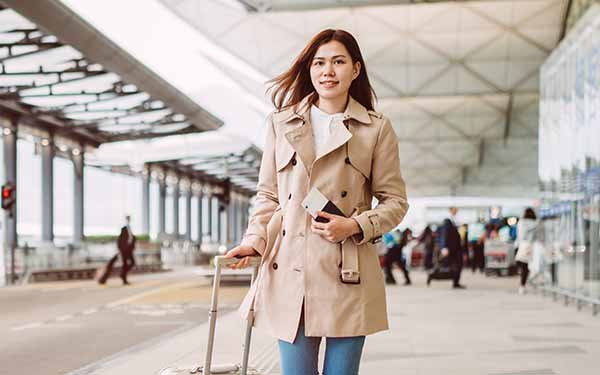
360, 162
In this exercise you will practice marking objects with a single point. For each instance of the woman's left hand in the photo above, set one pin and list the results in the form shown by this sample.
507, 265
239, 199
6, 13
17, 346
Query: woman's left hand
337, 229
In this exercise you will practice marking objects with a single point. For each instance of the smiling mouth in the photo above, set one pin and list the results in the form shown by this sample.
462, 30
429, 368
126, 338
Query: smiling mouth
328, 84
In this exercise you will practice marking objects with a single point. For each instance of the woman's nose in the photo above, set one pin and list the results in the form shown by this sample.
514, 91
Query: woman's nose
329, 71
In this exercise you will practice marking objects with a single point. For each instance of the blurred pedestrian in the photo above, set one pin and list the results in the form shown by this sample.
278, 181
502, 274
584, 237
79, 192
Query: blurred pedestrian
427, 242
534, 256
394, 256
126, 244
450, 251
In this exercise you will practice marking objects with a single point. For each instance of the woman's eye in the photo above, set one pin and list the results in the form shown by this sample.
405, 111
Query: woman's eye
340, 62
318, 63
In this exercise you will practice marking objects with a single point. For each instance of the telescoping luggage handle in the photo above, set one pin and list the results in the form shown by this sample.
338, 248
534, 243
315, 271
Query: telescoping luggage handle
221, 261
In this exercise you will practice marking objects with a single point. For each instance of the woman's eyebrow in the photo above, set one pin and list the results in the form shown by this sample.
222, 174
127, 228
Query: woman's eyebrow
333, 57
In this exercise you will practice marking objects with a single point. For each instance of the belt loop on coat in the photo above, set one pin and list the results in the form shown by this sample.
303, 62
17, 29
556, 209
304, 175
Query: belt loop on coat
350, 274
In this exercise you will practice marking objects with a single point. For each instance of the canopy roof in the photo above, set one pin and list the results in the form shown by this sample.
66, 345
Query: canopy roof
459, 79
59, 73
239, 168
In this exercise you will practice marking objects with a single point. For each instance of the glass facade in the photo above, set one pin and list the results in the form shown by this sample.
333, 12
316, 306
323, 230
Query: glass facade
569, 162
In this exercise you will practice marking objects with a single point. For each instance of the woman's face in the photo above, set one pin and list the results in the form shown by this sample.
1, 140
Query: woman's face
332, 71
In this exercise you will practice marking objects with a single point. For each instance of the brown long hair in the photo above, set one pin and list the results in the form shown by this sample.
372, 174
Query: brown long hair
290, 87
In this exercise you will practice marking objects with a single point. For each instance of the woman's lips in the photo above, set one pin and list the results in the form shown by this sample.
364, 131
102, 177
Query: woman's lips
328, 84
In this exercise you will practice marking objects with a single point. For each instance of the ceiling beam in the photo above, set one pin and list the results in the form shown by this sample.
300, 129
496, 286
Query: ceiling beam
303, 5
508, 117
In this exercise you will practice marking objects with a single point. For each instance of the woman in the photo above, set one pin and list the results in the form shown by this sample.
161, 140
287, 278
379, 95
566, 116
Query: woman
527, 235
322, 279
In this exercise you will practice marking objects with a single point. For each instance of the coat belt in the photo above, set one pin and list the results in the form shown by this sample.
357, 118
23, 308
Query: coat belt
350, 273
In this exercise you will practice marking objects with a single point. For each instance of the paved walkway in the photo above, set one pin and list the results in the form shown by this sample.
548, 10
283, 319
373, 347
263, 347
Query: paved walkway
487, 329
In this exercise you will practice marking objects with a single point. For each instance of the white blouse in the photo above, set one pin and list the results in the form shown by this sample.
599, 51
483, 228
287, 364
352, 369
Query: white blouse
321, 127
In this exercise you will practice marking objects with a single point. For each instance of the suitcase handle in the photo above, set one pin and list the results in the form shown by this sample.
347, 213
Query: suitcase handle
221, 261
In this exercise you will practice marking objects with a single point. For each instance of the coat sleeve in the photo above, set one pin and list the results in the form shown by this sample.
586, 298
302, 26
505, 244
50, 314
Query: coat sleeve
267, 199
387, 186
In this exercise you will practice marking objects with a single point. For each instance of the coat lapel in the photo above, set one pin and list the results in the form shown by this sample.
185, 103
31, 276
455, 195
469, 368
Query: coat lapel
338, 137
301, 136
302, 141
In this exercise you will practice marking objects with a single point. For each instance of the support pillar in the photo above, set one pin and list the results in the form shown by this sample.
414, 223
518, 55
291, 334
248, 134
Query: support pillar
227, 222
176, 209
242, 215
245, 209
188, 214
200, 218
238, 218
162, 197
219, 217
78, 164
233, 216
209, 217
145, 201
9, 142
47, 151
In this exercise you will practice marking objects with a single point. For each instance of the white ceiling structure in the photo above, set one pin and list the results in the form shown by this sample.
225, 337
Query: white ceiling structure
458, 79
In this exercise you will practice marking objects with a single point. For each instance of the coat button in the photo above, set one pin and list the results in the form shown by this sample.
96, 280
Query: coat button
283, 233
290, 196
294, 161
275, 266
347, 161
344, 193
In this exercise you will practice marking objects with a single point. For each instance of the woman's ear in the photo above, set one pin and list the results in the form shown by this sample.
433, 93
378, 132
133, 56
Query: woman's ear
356, 70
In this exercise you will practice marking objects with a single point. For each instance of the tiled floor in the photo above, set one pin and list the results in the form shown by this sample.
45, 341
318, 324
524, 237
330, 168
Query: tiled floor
487, 329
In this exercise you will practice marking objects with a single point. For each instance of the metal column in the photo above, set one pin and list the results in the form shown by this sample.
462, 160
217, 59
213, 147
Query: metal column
188, 214
78, 220
242, 215
162, 196
200, 212
176, 210
47, 151
238, 218
145, 202
209, 213
9, 140
246, 213
219, 219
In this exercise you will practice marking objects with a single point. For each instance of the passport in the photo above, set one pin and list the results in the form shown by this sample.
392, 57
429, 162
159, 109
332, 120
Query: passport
315, 201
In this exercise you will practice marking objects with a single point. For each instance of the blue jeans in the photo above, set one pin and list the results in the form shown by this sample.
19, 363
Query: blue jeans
342, 354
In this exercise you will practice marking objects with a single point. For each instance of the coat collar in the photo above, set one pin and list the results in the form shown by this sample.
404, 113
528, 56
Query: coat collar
354, 110
300, 136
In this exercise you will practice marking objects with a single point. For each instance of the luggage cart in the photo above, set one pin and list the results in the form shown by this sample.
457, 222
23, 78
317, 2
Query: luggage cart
231, 369
499, 258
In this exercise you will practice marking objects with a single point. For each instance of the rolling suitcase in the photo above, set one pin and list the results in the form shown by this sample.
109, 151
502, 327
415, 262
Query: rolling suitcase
208, 368
103, 273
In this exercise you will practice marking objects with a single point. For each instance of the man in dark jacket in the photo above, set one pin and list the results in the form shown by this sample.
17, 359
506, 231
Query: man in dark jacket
126, 244
451, 249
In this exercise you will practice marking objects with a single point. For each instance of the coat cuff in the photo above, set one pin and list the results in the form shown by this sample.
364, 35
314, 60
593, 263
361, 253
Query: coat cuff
369, 224
254, 241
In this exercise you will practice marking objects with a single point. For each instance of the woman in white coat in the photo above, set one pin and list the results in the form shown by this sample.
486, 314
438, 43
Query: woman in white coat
528, 234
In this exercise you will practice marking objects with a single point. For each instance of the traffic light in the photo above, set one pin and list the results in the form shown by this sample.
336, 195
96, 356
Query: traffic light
9, 196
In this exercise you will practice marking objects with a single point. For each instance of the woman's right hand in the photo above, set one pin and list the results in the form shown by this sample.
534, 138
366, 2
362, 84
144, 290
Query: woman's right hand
241, 251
